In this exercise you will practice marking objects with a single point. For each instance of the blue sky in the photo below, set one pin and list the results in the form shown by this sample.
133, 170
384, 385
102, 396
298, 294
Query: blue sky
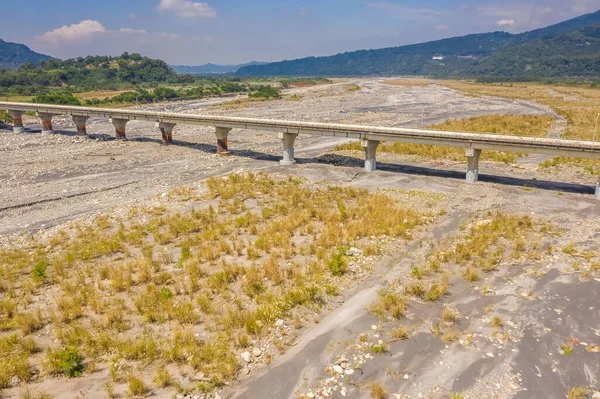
233, 31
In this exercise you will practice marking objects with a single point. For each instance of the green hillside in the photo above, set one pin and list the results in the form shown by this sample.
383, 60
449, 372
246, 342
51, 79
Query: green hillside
89, 73
12, 55
567, 49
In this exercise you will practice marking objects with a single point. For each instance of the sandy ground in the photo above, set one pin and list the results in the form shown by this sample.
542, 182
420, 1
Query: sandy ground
48, 180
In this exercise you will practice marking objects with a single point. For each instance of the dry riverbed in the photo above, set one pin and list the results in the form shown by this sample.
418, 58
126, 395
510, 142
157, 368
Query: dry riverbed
170, 271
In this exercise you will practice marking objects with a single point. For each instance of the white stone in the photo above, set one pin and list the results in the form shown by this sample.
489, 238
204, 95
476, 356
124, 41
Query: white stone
338, 369
246, 356
256, 352
489, 354
349, 371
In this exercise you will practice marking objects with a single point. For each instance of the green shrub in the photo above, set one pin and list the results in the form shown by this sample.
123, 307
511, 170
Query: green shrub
67, 361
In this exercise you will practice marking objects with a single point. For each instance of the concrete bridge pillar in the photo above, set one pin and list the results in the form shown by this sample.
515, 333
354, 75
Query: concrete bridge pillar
472, 164
288, 148
17, 117
222, 134
166, 129
46, 123
119, 125
370, 147
80, 122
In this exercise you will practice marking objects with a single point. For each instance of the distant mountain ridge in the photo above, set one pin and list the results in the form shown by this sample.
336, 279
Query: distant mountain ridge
12, 55
210, 69
567, 49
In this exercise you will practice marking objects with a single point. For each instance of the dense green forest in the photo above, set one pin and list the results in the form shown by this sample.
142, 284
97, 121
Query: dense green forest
567, 49
89, 73
144, 80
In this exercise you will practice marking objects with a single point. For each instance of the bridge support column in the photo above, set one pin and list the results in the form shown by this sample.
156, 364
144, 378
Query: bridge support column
472, 164
119, 125
166, 129
46, 123
370, 147
17, 117
222, 134
288, 148
80, 122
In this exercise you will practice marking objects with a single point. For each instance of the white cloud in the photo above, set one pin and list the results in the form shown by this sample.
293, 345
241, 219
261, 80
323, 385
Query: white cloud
73, 33
442, 27
187, 9
133, 31
506, 22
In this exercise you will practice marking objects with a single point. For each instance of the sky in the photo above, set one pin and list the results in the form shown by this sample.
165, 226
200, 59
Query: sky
189, 32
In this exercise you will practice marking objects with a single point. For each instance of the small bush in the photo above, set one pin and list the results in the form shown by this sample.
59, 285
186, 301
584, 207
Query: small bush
67, 361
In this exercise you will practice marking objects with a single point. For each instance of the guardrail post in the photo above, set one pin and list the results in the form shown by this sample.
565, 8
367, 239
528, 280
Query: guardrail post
370, 147
46, 123
166, 129
222, 134
472, 164
17, 117
119, 125
288, 148
80, 122
598, 190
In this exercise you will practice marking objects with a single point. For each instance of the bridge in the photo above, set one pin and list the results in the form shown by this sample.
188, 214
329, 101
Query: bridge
370, 136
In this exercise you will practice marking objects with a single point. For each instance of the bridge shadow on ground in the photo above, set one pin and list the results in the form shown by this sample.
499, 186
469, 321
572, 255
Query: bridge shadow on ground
347, 161
415, 170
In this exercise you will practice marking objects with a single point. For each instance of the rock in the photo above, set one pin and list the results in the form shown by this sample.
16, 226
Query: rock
15, 381
246, 356
180, 396
279, 323
373, 327
349, 371
256, 352
489, 354
338, 369
245, 371
596, 395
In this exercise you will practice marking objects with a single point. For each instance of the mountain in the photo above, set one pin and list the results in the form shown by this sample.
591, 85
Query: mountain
12, 55
211, 69
566, 49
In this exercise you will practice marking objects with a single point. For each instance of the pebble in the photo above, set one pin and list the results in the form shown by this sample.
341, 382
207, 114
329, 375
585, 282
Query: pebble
246, 356
256, 352
490, 354
338, 369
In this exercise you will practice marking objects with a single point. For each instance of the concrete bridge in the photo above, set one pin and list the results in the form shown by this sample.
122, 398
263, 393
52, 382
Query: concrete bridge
370, 136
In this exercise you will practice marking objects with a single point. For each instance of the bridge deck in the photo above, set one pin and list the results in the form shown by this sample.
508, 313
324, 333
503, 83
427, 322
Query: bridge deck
572, 148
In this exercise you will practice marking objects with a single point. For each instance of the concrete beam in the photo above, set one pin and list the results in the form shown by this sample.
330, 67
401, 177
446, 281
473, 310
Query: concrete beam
472, 165
370, 147
46, 123
17, 117
119, 125
222, 134
166, 130
288, 140
80, 122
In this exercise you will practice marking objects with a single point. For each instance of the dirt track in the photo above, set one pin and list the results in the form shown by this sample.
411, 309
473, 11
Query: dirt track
46, 181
